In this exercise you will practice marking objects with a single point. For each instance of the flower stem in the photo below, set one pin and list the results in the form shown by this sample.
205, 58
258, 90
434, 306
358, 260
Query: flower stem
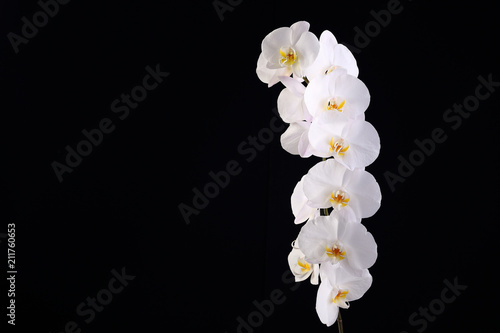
339, 323
305, 79
324, 211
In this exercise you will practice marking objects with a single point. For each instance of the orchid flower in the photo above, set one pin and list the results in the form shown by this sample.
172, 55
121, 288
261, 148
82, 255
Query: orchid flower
335, 239
339, 286
287, 51
354, 143
331, 184
300, 268
332, 56
339, 92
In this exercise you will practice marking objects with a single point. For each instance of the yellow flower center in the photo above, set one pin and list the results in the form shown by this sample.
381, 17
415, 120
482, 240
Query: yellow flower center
339, 299
335, 253
339, 197
304, 265
333, 104
288, 56
339, 147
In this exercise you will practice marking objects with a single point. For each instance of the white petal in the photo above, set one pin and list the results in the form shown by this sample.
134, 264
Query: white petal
355, 93
300, 209
345, 59
364, 144
357, 282
364, 192
290, 106
294, 85
269, 76
315, 274
328, 42
361, 249
328, 39
305, 149
290, 139
307, 49
359, 286
298, 29
326, 309
348, 215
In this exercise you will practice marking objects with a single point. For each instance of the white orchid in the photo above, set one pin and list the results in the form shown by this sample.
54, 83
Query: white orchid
332, 56
339, 92
354, 143
331, 184
339, 285
300, 268
324, 104
337, 239
287, 51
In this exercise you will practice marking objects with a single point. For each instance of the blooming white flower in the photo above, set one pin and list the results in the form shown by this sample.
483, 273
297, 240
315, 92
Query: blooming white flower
287, 51
354, 143
337, 239
331, 184
332, 56
299, 267
337, 91
339, 285
326, 119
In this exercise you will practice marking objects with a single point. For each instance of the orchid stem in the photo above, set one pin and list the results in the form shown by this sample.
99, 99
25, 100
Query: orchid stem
305, 79
324, 211
339, 323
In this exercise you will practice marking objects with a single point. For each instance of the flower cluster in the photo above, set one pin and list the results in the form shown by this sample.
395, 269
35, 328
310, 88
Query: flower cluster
324, 104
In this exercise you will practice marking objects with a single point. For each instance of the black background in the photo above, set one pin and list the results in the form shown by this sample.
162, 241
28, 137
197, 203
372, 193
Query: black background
119, 207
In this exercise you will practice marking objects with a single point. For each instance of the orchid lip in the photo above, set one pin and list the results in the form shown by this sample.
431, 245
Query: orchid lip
338, 147
336, 253
288, 56
304, 265
334, 103
339, 298
339, 199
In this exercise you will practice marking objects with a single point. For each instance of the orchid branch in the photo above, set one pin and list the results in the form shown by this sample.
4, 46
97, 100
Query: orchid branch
324, 102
